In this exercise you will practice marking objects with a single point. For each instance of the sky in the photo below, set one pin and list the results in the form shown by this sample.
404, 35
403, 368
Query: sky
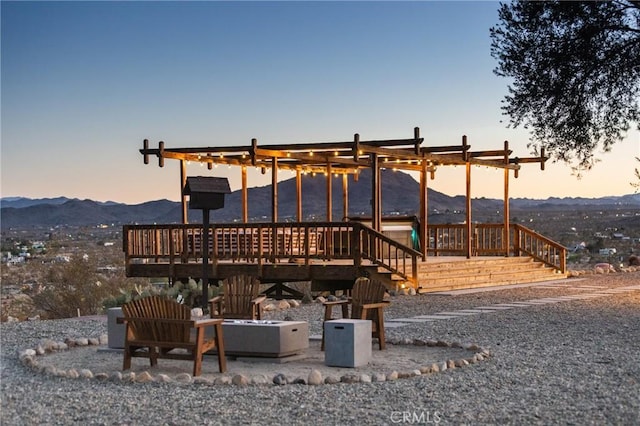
83, 83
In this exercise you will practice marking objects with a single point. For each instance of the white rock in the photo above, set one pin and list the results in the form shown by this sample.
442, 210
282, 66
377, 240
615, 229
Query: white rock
199, 380
183, 378
378, 377
86, 374
283, 304
224, 380
269, 307
240, 380
27, 353
315, 378
294, 303
260, 380
163, 378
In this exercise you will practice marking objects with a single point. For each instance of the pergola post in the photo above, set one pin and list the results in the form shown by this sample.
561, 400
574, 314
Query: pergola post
299, 195
329, 194
376, 220
274, 189
468, 200
245, 204
345, 196
424, 237
506, 234
183, 182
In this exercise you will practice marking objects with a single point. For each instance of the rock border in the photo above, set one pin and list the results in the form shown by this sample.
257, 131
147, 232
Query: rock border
28, 357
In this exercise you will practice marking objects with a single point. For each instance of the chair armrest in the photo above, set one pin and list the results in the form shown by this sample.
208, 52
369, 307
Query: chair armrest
207, 322
188, 322
258, 300
216, 299
376, 305
328, 308
336, 302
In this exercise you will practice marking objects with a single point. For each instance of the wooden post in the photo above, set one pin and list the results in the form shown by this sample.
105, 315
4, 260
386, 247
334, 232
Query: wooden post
375, 193
205, 260
424, 236
468, 206
506, 234
183, 183
145, 147
329, 194
298, 194
274, 189
245, 205
345, 196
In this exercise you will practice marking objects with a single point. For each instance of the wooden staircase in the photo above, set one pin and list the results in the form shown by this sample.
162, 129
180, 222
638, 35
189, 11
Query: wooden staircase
448, 274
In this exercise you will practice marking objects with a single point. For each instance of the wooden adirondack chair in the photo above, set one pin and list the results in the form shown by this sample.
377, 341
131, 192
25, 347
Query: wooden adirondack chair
367, 302
240, 299
161, 325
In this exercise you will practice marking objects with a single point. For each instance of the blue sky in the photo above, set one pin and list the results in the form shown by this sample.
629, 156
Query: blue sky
83, 83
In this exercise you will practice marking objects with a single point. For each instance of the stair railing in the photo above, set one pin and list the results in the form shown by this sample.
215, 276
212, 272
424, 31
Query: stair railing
539, 247
386, 253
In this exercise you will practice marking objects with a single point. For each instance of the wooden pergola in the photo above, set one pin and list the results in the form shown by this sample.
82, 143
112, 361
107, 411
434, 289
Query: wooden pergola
345, 158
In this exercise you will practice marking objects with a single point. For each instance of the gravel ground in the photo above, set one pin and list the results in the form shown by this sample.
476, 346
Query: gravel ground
574, 362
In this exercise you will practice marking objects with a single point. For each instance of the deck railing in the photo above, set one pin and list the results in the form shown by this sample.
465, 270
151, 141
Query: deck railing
269, 242
305, 241
489, 240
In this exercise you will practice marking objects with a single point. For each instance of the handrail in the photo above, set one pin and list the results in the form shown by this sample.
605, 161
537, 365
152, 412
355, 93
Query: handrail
489, 239
389, 254
539, 247
259, 242
269, 242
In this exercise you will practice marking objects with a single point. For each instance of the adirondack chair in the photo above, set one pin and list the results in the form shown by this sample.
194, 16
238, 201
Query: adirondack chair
161, 325
240, 299
367, 303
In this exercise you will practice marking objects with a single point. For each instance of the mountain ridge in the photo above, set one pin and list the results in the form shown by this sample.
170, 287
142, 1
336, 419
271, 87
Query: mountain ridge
400, 196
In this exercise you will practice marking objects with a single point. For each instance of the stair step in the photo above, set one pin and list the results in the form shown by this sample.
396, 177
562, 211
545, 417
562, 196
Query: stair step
450, 287
505, 262
474, 273
480, 270
488, 277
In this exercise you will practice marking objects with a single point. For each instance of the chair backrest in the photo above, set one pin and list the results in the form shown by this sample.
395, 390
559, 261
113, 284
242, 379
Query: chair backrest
365, 291
157, 308
239, 291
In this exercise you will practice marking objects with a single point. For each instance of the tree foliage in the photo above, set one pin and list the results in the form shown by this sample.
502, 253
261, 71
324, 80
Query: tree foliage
575, 70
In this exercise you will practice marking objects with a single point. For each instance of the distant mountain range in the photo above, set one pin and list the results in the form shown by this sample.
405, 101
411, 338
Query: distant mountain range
400, 196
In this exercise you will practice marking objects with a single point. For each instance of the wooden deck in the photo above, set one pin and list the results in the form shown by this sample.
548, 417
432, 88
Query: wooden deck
332, 254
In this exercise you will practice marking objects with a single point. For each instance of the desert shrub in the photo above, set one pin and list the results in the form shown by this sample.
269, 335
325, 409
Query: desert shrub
76, 288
